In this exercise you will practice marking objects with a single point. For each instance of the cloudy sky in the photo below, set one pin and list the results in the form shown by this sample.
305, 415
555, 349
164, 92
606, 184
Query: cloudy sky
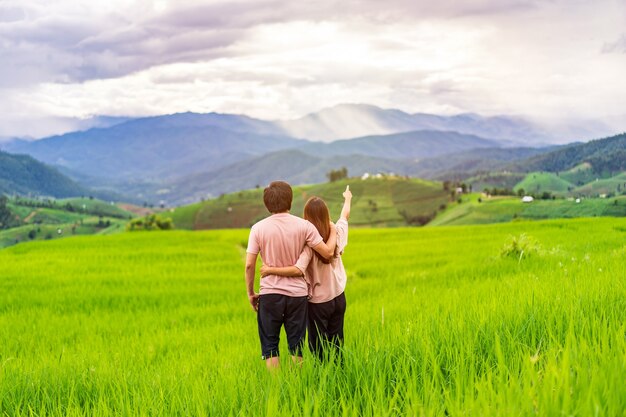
554, 60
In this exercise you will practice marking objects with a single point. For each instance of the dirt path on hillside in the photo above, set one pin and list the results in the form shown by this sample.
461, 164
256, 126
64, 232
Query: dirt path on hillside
31, 215
141, 211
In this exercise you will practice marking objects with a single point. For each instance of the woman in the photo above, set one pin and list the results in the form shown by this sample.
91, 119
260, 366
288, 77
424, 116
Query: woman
327, 280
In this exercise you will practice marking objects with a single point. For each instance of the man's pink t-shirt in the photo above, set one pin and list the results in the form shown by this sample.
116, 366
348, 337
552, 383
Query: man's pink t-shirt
280, 239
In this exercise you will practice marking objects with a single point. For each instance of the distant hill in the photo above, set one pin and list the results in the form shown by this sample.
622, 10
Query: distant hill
497, 179
353, 120
477, 209
294, 166
613, 185
539, 182
376, 202
231, 122
472, 162
22, 174
155, 148
311, 162
54, 219
603, 156
408, 145
589, 169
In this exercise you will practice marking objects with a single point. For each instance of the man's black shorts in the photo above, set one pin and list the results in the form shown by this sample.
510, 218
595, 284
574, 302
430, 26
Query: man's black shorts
276, 310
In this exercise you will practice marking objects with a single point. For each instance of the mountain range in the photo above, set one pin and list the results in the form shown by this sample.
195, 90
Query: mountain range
353, 120
151, 149
184, 157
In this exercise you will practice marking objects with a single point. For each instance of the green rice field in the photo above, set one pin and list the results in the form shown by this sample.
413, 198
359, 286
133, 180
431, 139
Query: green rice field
517, 319
479, 209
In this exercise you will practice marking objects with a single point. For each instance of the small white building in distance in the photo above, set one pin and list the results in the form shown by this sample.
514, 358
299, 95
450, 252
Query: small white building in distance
459, 190
365, 176
527, 199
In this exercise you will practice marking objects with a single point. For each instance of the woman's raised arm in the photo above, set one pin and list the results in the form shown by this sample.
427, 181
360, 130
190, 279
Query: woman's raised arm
345, 211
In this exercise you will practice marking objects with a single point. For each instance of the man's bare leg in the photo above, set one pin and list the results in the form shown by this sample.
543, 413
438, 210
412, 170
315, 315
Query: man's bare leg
272, 363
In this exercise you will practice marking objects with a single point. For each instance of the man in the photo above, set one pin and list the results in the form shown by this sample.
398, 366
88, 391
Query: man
280, 239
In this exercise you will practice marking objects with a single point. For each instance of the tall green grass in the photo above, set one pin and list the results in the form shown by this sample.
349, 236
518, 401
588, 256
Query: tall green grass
438, 324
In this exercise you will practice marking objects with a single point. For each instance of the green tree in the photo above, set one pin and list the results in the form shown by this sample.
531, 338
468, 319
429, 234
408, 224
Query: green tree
338, 174
5, 213
150, 222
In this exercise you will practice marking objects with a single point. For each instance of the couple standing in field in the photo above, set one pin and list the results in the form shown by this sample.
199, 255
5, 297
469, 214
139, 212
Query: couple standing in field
302, 277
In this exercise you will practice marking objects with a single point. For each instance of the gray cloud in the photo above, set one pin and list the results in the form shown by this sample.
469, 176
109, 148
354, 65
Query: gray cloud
443, 87
78, 47
119, 53
62, 32
445, 8
619, 46
10, 13
247, 14
224, 15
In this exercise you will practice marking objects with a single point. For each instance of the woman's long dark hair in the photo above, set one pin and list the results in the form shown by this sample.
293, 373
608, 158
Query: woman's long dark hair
316, 211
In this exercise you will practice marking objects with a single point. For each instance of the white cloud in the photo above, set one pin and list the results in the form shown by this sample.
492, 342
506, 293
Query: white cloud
280, 59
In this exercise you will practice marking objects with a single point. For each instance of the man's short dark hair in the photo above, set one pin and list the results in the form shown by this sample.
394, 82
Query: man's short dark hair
277, 197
